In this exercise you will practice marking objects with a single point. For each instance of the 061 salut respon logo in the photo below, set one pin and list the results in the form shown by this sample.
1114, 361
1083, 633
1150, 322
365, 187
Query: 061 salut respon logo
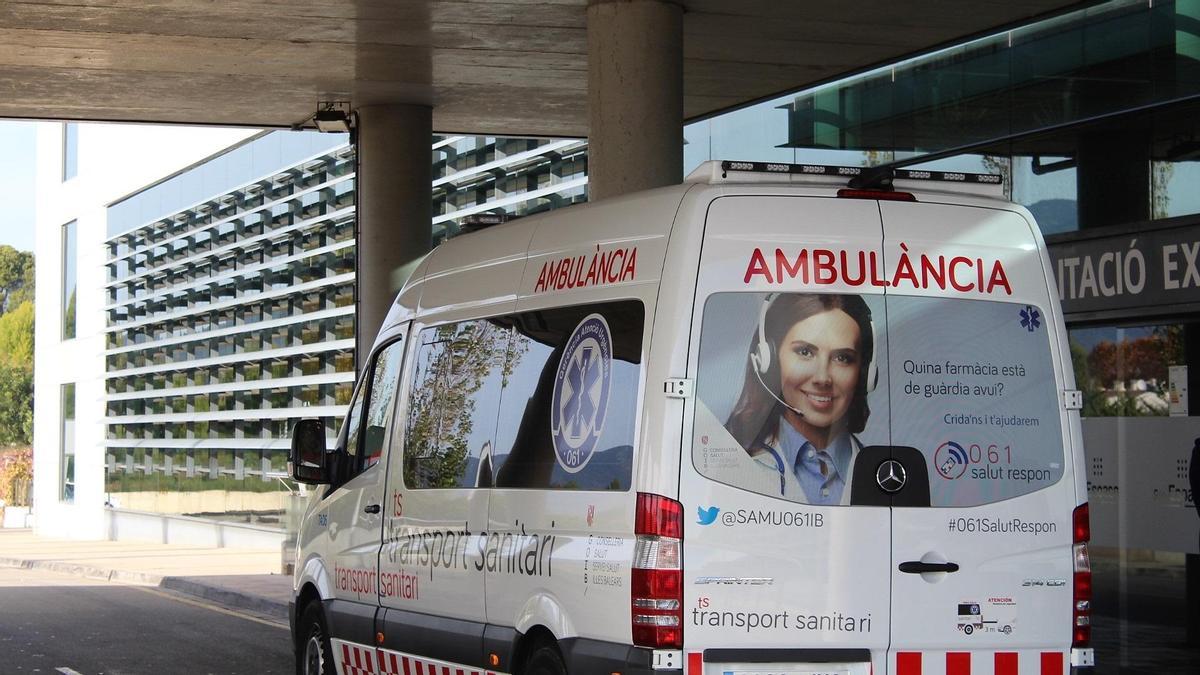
951, 460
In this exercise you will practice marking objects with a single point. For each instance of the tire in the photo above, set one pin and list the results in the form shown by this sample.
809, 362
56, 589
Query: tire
545, 660
313, 654
968, 629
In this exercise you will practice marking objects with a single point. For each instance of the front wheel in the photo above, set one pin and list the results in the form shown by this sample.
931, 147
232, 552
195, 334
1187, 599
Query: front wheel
545, 660
313, 652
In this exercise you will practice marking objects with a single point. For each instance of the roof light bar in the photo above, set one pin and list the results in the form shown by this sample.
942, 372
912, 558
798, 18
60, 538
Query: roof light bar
855, 171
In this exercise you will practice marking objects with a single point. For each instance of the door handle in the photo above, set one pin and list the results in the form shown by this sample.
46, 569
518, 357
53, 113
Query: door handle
918, 567
372, 508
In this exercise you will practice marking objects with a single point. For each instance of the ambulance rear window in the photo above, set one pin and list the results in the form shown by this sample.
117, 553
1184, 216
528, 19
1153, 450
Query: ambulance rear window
973, 388
968, 383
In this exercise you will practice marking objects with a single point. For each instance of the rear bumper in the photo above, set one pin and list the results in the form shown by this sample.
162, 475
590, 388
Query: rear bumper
594, 656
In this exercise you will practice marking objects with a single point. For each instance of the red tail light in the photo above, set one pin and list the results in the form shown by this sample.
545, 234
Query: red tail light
656, 598
885, 195
1081, 613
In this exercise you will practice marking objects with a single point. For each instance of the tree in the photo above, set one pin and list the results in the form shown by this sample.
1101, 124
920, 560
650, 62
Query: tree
16, 335
451, 370
16, 472
16, 277
16, 404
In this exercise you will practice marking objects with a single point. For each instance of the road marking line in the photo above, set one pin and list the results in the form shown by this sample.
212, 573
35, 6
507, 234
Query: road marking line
67, 671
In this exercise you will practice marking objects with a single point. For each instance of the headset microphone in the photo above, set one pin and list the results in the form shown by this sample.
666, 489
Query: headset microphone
762, 354
758, 374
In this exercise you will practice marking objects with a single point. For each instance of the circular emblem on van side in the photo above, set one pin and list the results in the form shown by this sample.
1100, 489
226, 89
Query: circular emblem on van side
890, 476
581, 388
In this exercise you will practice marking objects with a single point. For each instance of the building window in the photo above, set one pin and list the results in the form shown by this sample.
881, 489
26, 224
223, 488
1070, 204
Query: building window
70, 164
1130, 371
69, 253
66, 459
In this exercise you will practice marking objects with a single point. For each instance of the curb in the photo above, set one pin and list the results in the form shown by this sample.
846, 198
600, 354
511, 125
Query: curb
223, 596
86, 571
266, 607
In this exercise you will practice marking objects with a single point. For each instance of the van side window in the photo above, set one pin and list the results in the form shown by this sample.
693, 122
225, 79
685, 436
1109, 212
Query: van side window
384, 382
364, 445
569, 407
353, 423
457, 377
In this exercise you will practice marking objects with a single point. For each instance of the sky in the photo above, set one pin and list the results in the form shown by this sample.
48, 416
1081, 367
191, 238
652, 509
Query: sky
17, 161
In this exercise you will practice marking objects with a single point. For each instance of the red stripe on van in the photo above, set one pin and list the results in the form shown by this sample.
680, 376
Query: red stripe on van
1006, 663
908, 663
958, 663
406, 662
1052, 663
695, 663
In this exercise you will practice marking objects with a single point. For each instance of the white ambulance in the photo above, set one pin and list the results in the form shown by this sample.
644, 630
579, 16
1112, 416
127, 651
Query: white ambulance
778, 419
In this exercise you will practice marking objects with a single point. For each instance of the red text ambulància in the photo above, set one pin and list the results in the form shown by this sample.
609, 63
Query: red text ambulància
856, 268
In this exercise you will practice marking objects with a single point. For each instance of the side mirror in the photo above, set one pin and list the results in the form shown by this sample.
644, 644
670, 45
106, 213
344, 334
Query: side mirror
308, 460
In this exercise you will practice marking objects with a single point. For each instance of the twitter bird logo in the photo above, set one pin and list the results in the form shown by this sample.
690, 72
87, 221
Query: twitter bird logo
706, 516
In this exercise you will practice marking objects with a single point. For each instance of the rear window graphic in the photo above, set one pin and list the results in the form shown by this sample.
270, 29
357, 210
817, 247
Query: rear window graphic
791, 386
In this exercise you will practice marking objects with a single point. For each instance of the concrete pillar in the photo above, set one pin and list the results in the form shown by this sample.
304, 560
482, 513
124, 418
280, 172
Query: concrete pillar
394, 207
635, 96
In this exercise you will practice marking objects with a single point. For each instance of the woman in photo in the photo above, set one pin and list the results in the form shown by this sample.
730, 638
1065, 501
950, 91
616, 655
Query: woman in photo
804, 396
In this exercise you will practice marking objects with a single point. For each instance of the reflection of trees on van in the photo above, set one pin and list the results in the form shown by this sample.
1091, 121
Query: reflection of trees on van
525, 452
457, 367
479, 413
1124, 372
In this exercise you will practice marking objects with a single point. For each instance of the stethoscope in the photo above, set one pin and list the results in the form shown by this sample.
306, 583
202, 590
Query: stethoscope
779, 465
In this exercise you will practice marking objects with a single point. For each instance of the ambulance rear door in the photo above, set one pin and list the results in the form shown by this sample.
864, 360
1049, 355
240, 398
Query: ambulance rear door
774, 582
981, 536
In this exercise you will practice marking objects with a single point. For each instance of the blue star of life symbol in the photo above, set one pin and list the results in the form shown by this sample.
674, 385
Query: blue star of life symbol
582, 376
581, 389
1030, 318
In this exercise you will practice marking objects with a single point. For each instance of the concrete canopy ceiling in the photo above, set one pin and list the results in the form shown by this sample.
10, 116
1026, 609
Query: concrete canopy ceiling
506, 67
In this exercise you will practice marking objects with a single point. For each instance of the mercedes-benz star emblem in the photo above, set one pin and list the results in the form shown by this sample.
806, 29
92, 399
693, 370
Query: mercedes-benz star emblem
890, 476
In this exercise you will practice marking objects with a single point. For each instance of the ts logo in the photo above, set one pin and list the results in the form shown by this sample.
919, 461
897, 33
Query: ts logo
706, 516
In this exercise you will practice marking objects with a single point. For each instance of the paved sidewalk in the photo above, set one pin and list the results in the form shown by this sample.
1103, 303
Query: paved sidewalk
242, 578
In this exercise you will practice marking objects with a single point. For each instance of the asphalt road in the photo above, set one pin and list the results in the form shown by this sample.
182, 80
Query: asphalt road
59, 625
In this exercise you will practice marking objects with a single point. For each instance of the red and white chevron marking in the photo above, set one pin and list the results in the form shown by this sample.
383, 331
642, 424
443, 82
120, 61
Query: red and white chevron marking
356, 659
1024, 662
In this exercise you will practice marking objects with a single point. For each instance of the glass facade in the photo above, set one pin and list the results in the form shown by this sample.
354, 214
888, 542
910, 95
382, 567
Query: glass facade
518, 176
232, 315
227, 320
1057, 107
